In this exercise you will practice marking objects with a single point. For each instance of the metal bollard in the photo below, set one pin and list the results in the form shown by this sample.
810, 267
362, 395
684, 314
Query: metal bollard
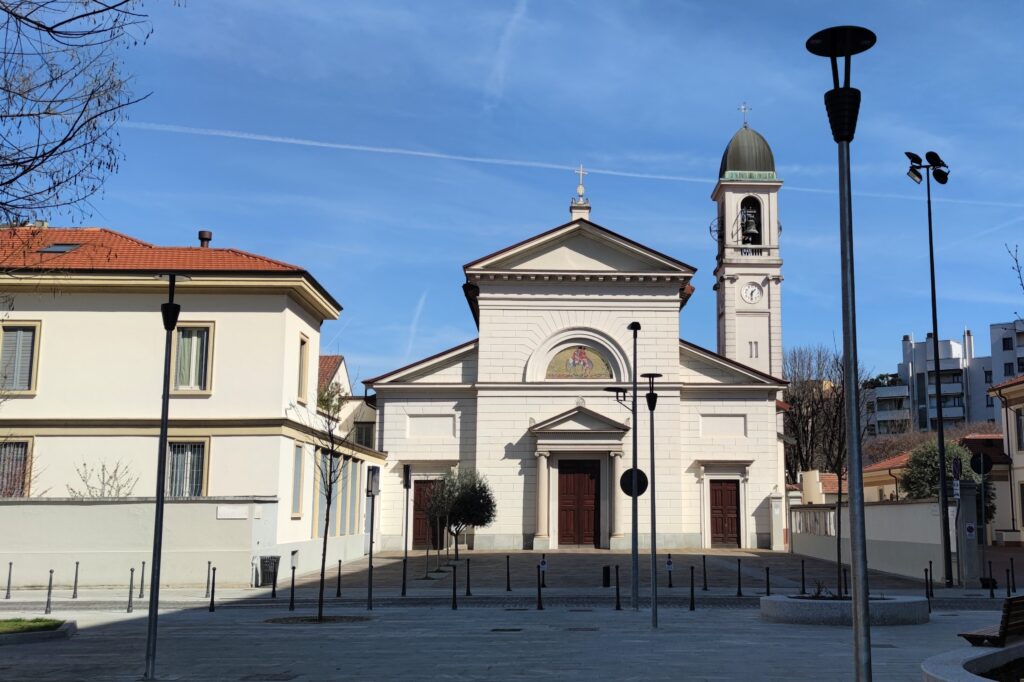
405, 568
208, 565
693, 604
668, 569
846, 582
931, 580
131, 589
49, 592
704, 571
142, 580
74, 592
767, 581
618, 600
1013, 576
455, 604
927, 593
273, 585
803, 578
606, 576
337, 590
1007, 583
540, 601
10, 567
426, 562
739, 578
468, 592
991, 583
544, 573
508, 574
291, 600
213, 589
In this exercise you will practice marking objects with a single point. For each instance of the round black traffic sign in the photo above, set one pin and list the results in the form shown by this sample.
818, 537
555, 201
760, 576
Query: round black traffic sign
981, 464
626, 482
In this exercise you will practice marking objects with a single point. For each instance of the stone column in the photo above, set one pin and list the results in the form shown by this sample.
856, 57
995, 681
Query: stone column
541, 540
618, 499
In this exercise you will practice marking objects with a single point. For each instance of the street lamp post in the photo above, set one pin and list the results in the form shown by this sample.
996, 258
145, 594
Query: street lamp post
169, 311
843, 105
635, 592
652, 402
940, 171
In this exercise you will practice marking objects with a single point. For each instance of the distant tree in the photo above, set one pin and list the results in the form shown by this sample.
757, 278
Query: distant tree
921, 477
63, 94
882, 380
472, 505
106, 482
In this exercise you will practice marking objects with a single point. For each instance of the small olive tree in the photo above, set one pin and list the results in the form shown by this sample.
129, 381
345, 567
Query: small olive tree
473, 504
921, 477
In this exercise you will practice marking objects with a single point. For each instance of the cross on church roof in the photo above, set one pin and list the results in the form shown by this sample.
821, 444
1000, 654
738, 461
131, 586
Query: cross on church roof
744, 109
579, 188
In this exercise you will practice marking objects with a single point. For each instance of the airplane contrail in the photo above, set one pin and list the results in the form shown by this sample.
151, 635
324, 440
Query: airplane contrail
497, 161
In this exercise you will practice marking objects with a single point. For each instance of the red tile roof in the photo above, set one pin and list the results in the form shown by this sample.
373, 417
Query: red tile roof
829, 484
984, 436
100, 249
329, 365
895, 462
1007, 384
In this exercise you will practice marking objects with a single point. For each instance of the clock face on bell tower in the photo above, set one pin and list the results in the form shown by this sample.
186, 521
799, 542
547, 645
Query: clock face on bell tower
748, 272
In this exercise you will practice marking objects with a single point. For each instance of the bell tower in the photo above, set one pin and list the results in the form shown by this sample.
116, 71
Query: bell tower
748, 271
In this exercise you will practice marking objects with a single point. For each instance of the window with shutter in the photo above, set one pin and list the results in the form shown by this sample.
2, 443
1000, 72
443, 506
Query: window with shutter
14, 474
17, 357
186, 468
192, 358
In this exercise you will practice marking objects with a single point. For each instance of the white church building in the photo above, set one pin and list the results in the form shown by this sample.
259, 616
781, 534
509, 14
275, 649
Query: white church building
524, 402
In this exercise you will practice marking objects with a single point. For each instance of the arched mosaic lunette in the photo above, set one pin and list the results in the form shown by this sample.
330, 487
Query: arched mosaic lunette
578, 361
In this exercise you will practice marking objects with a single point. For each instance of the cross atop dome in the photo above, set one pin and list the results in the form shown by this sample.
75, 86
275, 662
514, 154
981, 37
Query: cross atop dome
579, 207
744, 109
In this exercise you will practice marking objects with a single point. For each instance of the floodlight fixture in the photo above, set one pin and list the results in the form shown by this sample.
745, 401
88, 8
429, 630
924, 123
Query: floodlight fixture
914, 175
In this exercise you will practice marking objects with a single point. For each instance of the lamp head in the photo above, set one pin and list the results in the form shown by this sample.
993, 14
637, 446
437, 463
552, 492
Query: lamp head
935, 160
634, 326
841, 41
914, 175
914, 158
941, 176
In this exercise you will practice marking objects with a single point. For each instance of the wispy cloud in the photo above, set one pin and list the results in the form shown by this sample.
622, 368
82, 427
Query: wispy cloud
496, 79
414, 325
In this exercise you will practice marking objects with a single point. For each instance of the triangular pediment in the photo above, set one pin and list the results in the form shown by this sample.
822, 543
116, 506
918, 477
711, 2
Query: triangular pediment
700, 366
456, 365
580, 246
579, 420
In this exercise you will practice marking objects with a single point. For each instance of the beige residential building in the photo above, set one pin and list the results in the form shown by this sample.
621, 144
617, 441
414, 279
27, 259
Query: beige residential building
80, 389
524, 402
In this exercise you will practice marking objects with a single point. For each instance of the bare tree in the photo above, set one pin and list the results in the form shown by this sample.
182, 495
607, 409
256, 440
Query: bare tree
1018, 269
805, 367
63, 93
115, 481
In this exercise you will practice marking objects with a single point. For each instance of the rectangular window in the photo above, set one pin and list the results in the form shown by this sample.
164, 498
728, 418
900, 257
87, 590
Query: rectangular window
346, 466
1020, 365
192, 358
14, 469
18, 353
1007, 343
355, 478
988, 401
186, 469
1008, 369
364, 434
988, 376
303, 368
297, 482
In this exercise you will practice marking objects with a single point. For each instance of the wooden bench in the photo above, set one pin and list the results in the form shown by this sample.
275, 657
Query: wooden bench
1012, 623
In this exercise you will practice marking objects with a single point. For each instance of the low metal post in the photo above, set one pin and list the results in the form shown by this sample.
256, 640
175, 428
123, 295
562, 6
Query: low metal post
931, 579
291, 600
693, 604
49, 592
846, 581
668, 569
468, 592
213, 589
803, 578
405, 566
704, 571
273, 585
508, 574
337, 590
142, 580
544, 573
455, 582
426, 562
991, 583
927, 592
1007, 583
739, 578
618, 599
74, 592
208, 565
540, 601
131, 589
1013, 576
767, 581
10, 567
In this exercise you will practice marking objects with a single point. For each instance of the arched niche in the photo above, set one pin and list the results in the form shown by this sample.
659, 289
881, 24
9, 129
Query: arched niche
577, 355
751, 221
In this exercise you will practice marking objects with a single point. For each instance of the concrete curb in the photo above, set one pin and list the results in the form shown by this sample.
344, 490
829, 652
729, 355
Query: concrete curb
65, 631
961, 665
888, 611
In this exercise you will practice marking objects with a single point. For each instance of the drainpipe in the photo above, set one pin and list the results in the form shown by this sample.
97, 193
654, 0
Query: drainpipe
897, 480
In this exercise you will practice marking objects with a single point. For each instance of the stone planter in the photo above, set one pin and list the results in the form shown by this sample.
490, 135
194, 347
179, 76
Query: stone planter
888, 611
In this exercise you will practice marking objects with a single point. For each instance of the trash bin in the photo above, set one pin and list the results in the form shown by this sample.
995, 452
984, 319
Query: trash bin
268, 570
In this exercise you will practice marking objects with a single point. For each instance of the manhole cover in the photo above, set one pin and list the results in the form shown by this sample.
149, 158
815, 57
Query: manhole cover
581, 610
506, 629
269, 677
582, 629
311, 620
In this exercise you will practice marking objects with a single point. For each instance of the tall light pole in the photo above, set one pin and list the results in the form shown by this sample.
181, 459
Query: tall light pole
652, 402
169, 311
635, 592
843, 105
940, 170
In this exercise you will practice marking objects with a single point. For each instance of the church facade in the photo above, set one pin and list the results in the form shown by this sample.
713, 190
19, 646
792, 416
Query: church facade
525, 403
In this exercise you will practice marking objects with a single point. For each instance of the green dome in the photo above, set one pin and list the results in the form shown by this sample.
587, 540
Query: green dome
748, 157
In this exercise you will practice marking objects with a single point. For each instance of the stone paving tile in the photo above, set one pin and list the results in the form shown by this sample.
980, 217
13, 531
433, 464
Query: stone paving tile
479, 644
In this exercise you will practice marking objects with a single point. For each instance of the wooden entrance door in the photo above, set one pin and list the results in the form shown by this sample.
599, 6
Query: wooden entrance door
579, 502
424, 529
725, 513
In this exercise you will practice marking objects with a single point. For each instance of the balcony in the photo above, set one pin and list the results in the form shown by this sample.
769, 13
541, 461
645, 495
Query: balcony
883, 392
893, 416
947, 389
948, 412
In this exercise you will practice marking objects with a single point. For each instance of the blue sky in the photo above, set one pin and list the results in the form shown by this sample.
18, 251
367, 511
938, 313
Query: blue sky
308, 108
